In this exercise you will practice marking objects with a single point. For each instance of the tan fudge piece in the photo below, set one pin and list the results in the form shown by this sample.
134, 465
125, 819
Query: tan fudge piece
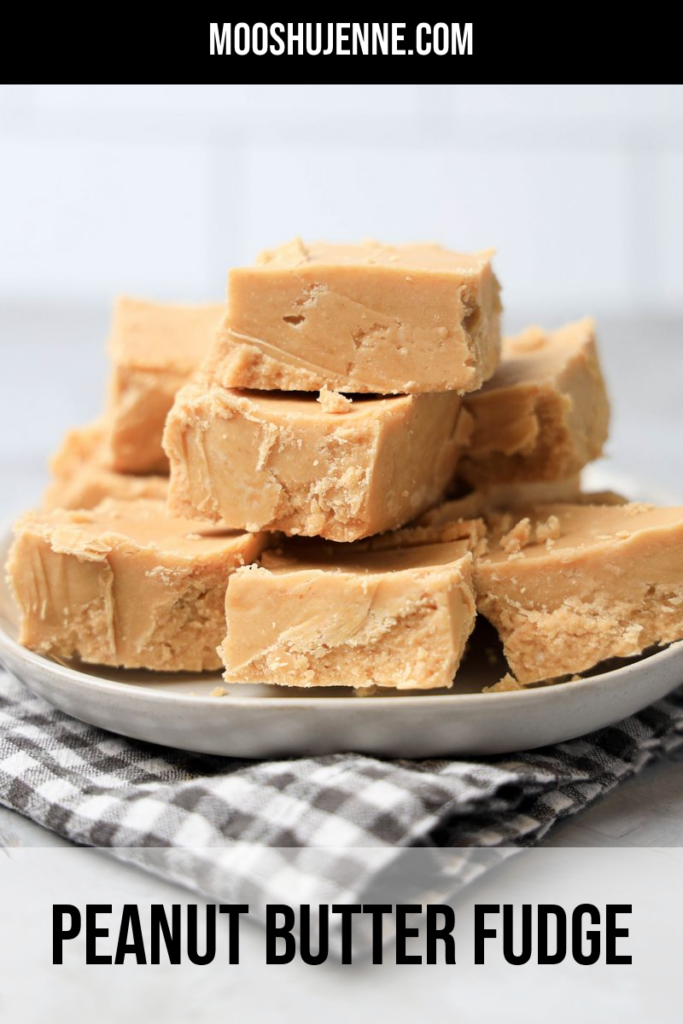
79, 446
473, 530
545, 412
365, 318
568, 586
155, 349
125, 584
324, 616
277, 461
82, 477
487, 500
514, 493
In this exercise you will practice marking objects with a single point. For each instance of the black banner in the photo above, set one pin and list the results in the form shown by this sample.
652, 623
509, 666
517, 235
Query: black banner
440, 48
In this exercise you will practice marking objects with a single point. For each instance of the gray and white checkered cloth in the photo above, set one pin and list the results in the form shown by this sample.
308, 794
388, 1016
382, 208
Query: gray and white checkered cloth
305, 830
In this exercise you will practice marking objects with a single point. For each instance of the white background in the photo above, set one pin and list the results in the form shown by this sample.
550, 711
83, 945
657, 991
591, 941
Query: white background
158, 189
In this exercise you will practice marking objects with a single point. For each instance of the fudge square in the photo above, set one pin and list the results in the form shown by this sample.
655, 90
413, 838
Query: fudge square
364, 318
545, 412
568, 586
290, 462
505, 497
332, 615
154, 349
82, 476
126, 585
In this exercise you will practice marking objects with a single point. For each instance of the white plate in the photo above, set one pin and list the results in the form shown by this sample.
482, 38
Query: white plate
176, 710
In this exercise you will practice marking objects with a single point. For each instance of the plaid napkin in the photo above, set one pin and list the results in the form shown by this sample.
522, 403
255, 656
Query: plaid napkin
312, 830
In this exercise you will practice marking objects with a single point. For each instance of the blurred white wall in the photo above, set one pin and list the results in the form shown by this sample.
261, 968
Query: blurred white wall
156, 190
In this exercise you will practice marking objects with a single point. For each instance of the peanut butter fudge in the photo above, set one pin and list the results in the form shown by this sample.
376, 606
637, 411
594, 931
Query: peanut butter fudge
366, 318
568, 586
126, 585
484, 501
473, 530
545, 412
488, 499
82, 475
155, 349
325, 615
281, 461
539, 492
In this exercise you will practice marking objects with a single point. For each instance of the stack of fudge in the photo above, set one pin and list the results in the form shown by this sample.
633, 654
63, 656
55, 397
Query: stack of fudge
324, 483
